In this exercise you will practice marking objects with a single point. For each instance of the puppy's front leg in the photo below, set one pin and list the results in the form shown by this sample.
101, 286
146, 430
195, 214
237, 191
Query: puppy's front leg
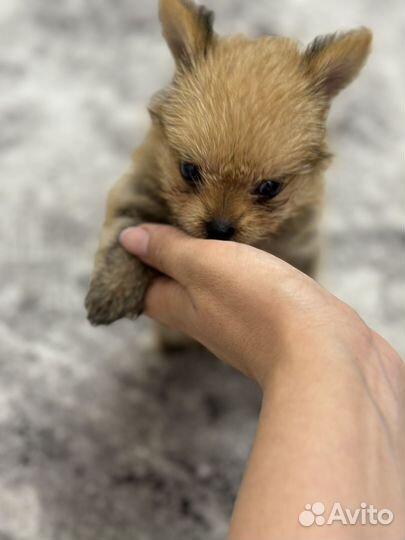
120, 281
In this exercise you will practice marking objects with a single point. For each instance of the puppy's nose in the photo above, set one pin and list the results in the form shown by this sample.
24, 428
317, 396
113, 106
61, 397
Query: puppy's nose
219, 229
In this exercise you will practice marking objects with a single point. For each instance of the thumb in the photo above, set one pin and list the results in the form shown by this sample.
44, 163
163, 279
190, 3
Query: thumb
165, 248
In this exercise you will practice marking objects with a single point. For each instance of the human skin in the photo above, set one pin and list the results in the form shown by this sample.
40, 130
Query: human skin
332, 422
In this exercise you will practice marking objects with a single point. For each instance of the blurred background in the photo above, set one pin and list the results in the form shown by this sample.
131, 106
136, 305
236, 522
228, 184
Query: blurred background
100, 436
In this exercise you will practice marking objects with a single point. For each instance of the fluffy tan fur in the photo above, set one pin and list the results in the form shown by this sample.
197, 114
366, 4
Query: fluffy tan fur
244, 111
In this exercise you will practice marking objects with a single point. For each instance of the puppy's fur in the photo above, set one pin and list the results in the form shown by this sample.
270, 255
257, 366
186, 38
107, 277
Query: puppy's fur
244, 111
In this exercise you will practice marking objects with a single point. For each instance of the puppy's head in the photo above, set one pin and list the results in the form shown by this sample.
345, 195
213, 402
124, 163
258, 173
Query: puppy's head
241, 129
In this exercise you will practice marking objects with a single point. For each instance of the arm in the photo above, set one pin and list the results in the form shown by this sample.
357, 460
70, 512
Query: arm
328, 432
332, 425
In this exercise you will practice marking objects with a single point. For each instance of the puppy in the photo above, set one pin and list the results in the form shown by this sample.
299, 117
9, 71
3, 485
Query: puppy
236, 150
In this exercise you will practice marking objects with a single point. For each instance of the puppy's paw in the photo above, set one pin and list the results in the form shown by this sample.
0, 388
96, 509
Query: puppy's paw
117, 288
107, 302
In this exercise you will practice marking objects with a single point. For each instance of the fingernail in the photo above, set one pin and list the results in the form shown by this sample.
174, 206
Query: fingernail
135, 240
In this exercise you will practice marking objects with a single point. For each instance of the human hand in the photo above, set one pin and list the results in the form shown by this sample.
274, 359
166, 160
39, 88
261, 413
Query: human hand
243, 304
332, 425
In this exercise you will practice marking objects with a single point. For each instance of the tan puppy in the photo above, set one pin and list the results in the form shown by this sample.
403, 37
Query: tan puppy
236, 149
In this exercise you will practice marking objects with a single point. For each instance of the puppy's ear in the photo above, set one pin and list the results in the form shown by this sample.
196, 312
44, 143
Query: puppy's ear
335, 60
188, 30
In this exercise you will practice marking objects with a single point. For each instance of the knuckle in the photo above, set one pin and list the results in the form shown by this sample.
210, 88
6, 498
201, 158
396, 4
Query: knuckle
157, 253
216, 259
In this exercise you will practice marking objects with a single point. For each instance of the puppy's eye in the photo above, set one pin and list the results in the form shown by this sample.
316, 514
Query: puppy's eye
190, 172
269, 189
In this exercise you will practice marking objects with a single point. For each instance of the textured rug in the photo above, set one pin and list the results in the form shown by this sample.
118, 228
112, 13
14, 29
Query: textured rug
100, 437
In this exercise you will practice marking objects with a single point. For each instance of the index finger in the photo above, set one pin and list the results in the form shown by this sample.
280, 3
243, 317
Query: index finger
165, 248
